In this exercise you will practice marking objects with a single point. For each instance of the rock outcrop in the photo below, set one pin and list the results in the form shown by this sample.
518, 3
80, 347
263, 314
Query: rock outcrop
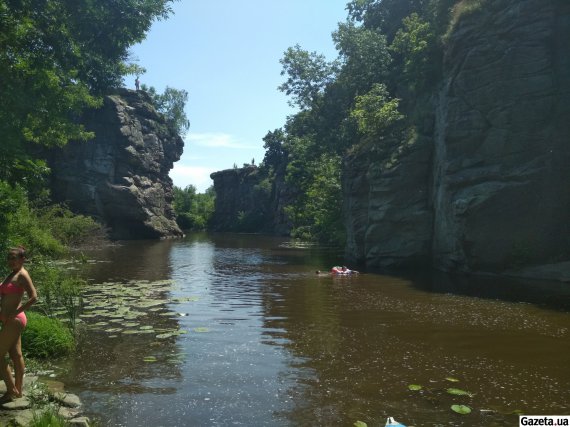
121, 176
488, 186
240, 204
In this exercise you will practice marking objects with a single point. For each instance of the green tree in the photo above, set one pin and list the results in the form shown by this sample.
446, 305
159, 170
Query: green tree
193, 210
417, 51
56, 56
375, 113
308, 74
171, 103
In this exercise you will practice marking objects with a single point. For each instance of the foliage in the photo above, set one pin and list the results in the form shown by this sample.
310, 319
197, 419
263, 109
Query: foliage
48, 418
171, 103
46, 337
416, 46
308, 74
19, 224
68, 228
193, 210
45, 230
460, 10
376, 113
56, 57
59, 291
365, 57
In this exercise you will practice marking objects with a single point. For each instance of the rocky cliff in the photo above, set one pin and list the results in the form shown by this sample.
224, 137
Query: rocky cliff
121, 176
241, 203
487, 185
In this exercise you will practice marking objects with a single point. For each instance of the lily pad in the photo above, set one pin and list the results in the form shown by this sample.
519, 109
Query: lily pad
451, 379
415, 387
150, 359
165, 336
146, 328
201, 329
360, 424
458, 392
461, 409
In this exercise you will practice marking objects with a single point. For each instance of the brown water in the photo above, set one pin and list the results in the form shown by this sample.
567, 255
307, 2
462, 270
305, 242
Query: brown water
283, 347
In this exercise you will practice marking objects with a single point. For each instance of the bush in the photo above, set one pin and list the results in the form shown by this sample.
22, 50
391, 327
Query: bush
46, 337
48, 418
68, 228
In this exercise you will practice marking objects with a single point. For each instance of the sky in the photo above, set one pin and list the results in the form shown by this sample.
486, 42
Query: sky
225, 54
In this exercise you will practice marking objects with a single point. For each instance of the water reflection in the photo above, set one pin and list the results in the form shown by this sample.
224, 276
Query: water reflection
270, 343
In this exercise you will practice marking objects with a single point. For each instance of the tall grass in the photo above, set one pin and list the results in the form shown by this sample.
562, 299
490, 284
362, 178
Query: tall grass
462, 9
46, 337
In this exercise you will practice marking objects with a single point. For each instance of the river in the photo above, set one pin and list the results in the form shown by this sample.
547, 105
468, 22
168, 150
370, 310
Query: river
242, 332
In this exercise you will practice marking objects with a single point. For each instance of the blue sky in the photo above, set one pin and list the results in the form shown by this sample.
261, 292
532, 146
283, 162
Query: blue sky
226, 54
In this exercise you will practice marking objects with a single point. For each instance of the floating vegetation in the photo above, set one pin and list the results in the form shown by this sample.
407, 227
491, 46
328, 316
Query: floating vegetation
461, 409
120, 308
201, 329
458, 392
451, 379
150, 359
415, 387
360, 424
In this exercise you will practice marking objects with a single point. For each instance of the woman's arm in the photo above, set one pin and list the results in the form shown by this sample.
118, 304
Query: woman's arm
25, 281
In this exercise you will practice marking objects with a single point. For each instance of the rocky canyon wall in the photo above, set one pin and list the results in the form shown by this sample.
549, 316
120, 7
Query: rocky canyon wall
121, 176
488, 186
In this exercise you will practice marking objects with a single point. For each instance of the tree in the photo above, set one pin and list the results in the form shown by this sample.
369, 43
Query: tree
171, 103
308, 74
56, 57
193, 210
365, 57
416, 49
375, 113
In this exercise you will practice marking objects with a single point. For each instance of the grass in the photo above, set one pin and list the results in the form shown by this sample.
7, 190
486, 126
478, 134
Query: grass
462, 9
45, 337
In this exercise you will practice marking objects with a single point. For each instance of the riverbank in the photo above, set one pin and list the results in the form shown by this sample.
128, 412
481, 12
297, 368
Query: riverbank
39, 397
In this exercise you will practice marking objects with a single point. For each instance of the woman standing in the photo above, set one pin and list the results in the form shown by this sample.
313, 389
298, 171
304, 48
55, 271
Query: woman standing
14, 321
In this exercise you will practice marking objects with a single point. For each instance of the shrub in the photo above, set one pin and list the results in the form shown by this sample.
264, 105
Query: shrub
46, 337
48, 418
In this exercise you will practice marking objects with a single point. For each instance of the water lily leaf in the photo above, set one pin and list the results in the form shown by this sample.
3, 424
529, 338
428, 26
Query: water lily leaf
458, 392
113, 330
166, 335
201, 329
360, 424
461, 409
415, 387
131, 332
451, 379
150, 359
146, 328
101, 324
131, 324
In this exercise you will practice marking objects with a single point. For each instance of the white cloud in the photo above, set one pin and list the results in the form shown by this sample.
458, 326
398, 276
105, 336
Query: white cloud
216, 140
198, 176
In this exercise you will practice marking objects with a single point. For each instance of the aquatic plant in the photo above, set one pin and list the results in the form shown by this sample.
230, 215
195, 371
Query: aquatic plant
461, 409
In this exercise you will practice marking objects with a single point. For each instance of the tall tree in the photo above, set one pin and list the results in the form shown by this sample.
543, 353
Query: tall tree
56, 56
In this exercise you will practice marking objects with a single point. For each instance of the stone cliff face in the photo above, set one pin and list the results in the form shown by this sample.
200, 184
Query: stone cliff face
121, 176
242, 202
488, 186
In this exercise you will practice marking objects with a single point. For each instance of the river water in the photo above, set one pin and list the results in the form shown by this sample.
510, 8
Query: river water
263, 341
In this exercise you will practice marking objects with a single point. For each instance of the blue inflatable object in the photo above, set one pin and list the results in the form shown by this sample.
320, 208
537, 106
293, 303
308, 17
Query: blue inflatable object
391, 422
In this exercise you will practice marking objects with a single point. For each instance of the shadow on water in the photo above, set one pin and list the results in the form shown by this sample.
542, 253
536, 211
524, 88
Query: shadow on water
547, 294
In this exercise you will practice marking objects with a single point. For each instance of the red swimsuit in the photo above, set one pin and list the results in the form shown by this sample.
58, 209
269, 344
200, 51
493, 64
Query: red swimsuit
9, 288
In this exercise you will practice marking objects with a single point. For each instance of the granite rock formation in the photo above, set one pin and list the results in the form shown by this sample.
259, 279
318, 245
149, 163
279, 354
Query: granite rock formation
240, 204
487, 187
121, 176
